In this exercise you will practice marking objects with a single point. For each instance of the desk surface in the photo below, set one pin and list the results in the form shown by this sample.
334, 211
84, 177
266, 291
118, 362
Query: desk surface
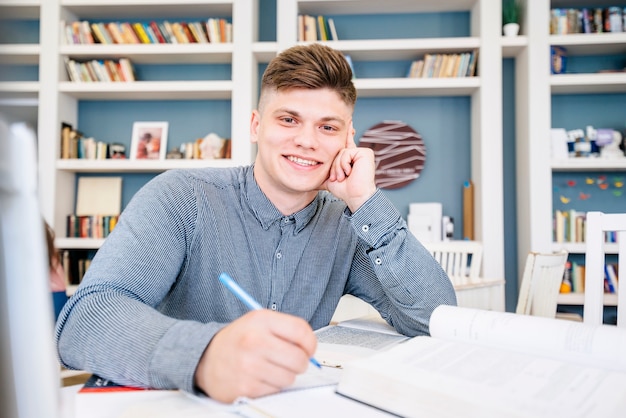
305, 403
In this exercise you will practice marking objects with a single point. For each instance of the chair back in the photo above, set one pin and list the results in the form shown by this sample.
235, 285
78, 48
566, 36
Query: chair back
461, 260
597, 225
543, 274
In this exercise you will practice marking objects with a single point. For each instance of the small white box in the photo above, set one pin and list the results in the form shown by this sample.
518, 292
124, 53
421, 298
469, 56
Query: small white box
424, 221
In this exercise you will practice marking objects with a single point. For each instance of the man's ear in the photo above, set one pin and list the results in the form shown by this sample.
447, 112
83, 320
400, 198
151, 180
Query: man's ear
255, 121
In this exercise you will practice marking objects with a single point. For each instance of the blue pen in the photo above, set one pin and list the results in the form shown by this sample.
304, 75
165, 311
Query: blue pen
252, 304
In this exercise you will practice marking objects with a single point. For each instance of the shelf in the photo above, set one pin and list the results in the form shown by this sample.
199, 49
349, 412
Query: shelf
20, 9
148, 90
127, 9
153, 53
402, 49
610, 299
265, 51
588, 83
403, 87
579, 247
591, 43
135, 166
20, 54
589, 164
78, 243
324, 7
393, 49
513, 45
19, 90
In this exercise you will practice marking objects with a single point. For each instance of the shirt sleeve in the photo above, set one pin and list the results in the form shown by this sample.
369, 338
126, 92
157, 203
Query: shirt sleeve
393, 271
111, 326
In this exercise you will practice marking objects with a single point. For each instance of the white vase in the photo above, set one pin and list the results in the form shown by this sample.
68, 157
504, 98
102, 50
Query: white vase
511, 29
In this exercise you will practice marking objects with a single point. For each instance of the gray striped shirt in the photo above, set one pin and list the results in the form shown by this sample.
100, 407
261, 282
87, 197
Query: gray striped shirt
151, 300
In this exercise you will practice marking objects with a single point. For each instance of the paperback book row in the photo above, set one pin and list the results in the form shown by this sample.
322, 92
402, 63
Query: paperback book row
586, 20
316, 28
444, 65
569, 226
90, 226
75, 264
75, 145
574, 278
213, 30
100, 70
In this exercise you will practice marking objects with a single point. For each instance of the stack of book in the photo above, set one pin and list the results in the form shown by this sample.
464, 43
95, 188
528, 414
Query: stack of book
100, 70
444, 65
213, 30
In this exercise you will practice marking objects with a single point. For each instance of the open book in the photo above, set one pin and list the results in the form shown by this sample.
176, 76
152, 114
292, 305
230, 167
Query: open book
496, 364
354, 338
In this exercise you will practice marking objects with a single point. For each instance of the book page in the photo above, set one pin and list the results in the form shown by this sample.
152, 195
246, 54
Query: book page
313, 403
339, 344
600, 346
444, 378
371, 323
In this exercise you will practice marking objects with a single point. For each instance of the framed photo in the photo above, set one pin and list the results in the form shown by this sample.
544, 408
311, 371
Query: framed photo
149, 141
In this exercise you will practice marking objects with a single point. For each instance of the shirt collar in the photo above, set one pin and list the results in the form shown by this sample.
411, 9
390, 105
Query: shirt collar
265, 211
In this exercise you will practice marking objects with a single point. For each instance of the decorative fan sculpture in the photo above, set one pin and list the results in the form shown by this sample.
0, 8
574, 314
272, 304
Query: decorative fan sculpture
399, 153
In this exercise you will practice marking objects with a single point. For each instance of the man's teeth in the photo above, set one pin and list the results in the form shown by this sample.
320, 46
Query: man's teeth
301, 161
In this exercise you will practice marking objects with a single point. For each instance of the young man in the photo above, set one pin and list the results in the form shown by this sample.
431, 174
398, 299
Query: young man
297, 230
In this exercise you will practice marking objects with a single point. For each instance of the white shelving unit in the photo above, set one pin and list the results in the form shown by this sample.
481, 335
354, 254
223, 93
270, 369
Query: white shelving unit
59, 99
62, 97
534, 88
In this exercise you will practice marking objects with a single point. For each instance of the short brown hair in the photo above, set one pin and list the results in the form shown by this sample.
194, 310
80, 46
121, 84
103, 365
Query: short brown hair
312, 66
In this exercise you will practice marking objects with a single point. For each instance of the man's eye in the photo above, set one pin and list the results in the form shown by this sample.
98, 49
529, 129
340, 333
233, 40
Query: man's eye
328, 128
288, 120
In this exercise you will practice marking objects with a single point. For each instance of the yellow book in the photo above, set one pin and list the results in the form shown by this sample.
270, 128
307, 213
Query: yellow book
98, 34
141, 33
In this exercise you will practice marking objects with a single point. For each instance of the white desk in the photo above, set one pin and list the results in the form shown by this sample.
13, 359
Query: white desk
305, 403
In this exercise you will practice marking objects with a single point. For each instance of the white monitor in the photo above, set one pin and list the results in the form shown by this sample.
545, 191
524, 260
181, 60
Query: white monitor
29, 370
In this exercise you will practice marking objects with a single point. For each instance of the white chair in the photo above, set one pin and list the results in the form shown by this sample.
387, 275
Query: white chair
461, 260
597, 225
541, 281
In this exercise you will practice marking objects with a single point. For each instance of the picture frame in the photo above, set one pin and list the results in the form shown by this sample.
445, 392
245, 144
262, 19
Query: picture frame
149, 141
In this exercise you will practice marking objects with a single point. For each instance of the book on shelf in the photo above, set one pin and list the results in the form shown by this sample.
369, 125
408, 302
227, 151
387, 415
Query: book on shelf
444, 65
130, 37
75, 264
100, 70
99, 196
90, 226
493, 364
141, 32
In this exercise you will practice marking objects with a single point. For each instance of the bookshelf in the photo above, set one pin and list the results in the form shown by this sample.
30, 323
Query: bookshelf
54, 99
537, 91
484, 90
66, 100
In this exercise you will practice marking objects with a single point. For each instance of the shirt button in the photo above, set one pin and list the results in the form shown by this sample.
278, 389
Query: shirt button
378, 261
273, 306
278, 255
365, 228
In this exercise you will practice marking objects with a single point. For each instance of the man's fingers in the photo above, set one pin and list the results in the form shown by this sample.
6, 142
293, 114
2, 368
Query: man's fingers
350, 140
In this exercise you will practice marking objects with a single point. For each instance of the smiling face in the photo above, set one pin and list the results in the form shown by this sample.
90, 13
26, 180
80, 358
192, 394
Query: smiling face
299, 132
